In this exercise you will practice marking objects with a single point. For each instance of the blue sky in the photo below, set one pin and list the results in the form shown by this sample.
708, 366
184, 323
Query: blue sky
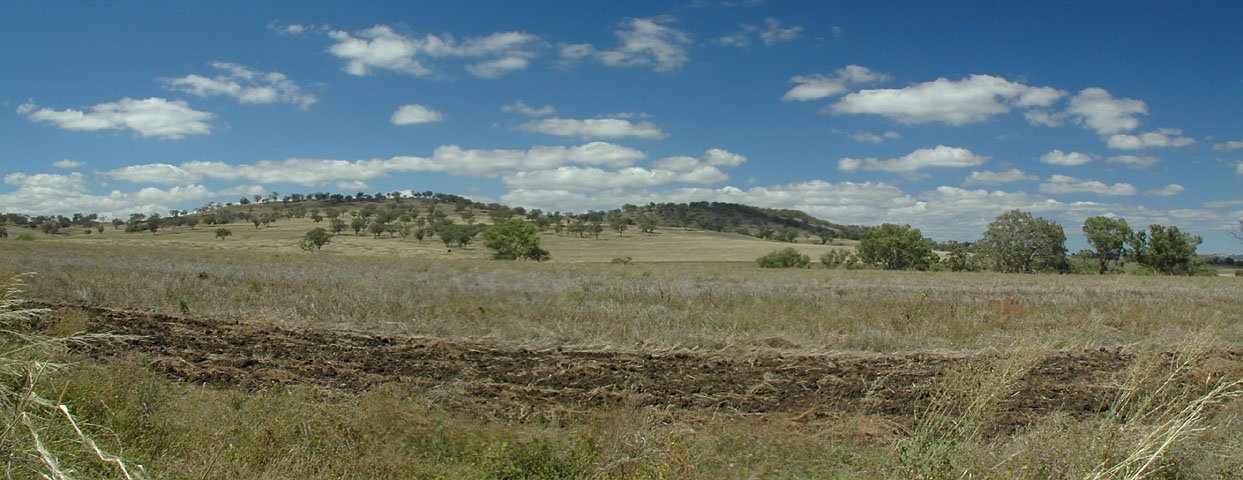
937, 115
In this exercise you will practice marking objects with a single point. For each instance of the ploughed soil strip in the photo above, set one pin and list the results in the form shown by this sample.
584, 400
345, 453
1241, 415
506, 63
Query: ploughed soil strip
514, 382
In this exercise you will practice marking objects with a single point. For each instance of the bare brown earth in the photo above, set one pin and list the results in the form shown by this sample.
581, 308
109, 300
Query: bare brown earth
513, 382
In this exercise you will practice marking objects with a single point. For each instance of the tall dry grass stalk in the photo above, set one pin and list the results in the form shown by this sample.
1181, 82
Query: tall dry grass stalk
24, 362
1161, 403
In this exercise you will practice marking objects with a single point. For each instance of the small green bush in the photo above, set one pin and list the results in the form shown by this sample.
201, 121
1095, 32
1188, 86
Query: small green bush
787, 257
621, 261
25, 236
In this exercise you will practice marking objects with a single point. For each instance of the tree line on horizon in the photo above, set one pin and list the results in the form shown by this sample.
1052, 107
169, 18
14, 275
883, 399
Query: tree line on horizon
1017, 242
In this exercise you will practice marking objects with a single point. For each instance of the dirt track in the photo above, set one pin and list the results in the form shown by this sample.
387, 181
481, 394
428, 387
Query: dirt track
514, 382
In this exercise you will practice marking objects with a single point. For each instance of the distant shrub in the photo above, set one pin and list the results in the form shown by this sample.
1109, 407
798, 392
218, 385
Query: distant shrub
25, 236
787, 257
621, 260
837, 258
1238, 273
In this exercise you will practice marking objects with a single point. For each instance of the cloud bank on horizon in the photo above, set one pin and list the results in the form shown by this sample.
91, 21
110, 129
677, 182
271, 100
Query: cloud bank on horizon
828, 109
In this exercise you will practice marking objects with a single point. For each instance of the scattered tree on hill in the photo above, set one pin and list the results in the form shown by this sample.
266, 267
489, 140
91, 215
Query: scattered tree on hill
618, 222
1018, 243
336, 225
1108, 238
316, 216
788, 257
647, 224
377, 227
459, 235
4, 233
897, 247
514, 240
358, 224
221, 233
316, 238
1165, 250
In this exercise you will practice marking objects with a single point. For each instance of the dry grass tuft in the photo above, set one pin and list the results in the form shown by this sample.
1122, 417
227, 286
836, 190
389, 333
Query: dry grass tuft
23, 365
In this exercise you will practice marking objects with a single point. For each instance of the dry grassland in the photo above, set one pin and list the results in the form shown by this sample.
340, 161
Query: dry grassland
406, 362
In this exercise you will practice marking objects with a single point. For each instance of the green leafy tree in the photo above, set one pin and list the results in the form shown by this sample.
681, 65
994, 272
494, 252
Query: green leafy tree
315, 239
4, 233
1018, 243
961, 260
221, 233
358, 224
618, 222
788, 257
377, 227
647, 224
1108, 238
1166, 250
336, 225
514, 240
897, 247
460, 235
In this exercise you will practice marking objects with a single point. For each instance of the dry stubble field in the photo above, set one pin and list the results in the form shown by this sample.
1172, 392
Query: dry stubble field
264, 363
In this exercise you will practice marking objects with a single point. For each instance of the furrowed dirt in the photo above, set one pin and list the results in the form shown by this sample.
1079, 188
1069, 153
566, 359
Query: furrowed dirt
515, 383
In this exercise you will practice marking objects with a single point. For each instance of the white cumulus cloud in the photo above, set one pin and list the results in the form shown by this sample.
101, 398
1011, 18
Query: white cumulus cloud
1098, 110
1057, 157
817, 86
940, 156
151, 117
159, 173
1061, 184
245, 85
521, 107
1166, 191
1134, 161
413, 114
380, 47
594, 128
998, 178
970, 100
54, 194
1228, 146
67, 163
644, 42
1164, 137
869, 137
771, 33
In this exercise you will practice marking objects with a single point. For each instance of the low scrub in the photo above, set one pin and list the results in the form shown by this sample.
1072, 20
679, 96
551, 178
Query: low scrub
787, 257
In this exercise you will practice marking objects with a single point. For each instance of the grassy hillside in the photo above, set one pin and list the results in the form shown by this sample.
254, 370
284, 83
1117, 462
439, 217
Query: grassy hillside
277, 227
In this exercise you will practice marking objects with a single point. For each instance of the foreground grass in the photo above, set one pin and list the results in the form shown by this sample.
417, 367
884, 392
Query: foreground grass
396, 431
1176, 411
694, 306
